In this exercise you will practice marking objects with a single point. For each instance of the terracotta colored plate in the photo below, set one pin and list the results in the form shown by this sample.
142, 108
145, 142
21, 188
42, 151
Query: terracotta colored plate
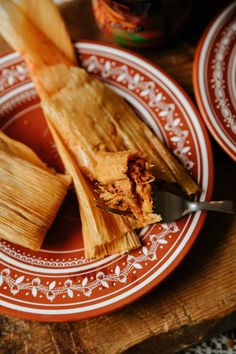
57, 283
214, 78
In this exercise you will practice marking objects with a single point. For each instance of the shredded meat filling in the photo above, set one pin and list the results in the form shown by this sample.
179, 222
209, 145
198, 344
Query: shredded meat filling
133, 192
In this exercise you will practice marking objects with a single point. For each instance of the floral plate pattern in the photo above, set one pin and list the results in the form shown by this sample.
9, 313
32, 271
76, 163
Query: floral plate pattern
57, 283
214, 78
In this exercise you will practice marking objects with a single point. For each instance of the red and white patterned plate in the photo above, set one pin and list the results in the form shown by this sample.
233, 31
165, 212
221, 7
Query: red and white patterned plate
214, 78
58, 283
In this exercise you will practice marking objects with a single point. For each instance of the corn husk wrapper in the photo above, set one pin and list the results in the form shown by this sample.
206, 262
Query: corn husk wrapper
20, 150
104, 234
46, 17
30, 194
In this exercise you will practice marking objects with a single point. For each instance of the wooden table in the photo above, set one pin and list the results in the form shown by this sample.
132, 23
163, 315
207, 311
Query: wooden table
198, 299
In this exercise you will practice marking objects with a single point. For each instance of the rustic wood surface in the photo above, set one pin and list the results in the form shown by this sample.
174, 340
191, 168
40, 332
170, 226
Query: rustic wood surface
198, 299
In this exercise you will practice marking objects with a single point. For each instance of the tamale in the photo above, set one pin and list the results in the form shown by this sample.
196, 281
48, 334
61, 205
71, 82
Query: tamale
88, 116
103, 234
20, 150
30, 194
79, 103
93, 118
125, 183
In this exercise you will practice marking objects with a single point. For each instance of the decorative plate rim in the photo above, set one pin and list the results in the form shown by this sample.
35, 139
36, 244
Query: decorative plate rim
148, 287
196, 84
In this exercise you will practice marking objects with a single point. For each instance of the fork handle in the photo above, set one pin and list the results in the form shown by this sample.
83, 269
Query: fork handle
224, 206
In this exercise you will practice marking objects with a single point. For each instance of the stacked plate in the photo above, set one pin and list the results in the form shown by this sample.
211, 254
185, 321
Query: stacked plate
215, 79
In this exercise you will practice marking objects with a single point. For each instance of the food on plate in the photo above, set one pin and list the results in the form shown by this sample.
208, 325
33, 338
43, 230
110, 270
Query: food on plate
30, 194
125, 183
103, 234
85, 118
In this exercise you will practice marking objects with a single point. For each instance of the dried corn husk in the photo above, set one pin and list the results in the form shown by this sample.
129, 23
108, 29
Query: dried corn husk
30, 194
46, 16
26, 38
103, 234
20, 150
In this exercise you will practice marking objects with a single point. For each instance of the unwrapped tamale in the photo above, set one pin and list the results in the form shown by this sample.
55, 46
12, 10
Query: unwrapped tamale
30, 194
125, 183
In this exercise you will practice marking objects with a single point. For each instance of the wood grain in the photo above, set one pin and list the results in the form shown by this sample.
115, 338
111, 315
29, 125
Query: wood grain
197, 300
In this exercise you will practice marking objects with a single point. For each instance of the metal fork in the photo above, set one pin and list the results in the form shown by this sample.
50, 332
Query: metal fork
171, 207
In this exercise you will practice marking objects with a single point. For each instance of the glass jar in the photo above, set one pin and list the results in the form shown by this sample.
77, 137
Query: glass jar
141, 23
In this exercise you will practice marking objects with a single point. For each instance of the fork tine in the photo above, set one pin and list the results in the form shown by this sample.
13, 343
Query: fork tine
114, 211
